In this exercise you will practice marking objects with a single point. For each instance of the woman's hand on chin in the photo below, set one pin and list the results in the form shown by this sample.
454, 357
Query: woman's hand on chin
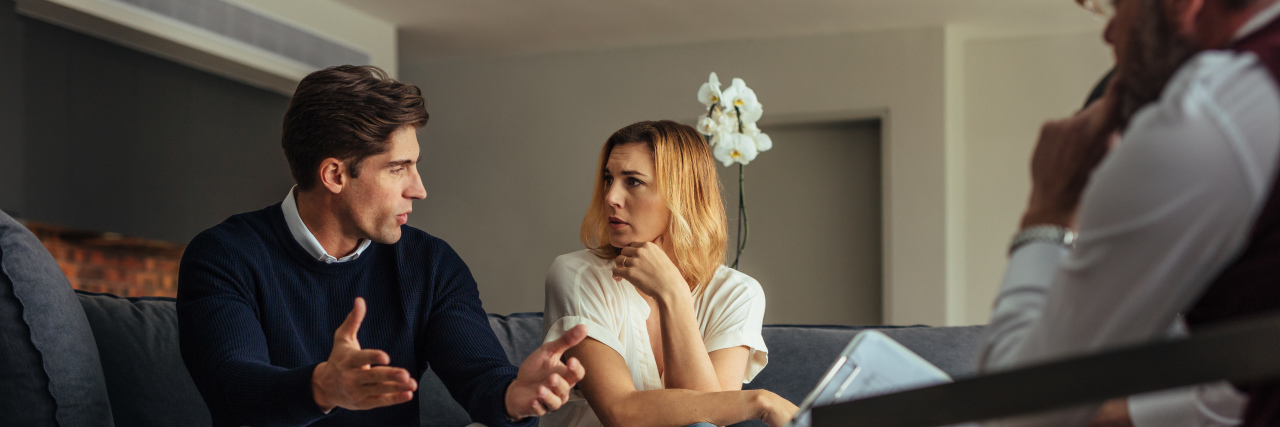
647, 267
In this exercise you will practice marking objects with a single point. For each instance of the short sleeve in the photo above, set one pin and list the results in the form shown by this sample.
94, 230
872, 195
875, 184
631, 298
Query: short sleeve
731, 314
578, 294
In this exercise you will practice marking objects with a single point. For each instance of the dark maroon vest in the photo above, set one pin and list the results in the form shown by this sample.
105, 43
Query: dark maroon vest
1250, 285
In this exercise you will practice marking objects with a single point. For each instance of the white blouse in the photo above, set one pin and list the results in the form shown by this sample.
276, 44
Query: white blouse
581, 290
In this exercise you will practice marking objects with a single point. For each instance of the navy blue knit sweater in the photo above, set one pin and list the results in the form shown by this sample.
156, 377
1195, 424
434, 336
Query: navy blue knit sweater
256, 314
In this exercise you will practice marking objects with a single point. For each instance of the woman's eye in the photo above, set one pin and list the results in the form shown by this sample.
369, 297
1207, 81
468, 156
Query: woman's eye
634, 182
608, 180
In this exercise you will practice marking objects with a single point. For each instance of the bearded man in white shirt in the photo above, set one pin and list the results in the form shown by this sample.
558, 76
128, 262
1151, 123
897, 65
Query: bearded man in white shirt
1169, 181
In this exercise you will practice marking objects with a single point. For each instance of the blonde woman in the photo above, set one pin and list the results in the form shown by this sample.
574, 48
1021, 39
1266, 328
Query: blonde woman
672, 334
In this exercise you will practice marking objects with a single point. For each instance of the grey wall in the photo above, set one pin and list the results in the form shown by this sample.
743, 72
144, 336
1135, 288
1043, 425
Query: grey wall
510, 153
112, 139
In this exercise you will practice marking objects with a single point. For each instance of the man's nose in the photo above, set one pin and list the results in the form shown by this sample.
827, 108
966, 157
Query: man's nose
416, 191
1107, 32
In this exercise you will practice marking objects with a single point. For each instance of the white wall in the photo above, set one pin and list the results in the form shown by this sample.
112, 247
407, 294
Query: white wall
511, 149
1011, 86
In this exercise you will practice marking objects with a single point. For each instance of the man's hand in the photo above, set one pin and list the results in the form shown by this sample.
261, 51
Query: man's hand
1065, 155
544, 382
350, 379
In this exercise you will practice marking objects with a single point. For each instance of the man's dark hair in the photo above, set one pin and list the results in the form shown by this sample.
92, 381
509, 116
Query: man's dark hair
346, 112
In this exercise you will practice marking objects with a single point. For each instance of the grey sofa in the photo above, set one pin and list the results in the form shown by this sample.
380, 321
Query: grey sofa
79, 358
148, 386
798, 356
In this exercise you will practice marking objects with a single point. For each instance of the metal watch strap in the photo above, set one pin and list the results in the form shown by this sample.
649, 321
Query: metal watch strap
1043, 233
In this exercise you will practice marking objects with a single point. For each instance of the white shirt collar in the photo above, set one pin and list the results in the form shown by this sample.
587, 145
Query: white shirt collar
1263, 17
308, 241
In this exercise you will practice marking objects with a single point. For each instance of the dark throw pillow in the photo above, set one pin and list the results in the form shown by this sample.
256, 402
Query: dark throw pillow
48, 361
138, 340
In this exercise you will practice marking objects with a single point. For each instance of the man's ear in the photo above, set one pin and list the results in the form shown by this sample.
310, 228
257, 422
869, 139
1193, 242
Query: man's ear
333, 175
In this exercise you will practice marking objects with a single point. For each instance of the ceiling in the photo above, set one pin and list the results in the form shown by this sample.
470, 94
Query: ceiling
444, 29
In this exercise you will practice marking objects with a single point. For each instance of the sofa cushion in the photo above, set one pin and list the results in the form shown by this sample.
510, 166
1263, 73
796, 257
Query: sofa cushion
520, 334
137, 340
48, 363
436, 407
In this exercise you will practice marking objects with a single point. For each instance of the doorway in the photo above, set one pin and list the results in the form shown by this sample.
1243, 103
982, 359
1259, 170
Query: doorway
814, 208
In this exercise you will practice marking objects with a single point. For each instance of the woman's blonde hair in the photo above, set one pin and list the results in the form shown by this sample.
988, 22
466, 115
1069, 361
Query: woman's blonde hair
687, 181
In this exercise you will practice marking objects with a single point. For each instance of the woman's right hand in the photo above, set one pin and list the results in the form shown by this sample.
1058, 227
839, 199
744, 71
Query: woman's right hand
773, 409
650, 270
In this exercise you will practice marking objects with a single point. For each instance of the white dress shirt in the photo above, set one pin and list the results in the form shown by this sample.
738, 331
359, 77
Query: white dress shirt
308, 241
1163, 214
581, 290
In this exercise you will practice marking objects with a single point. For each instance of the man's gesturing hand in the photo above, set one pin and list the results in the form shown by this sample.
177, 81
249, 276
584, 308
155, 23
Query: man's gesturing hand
544, 382
350, 379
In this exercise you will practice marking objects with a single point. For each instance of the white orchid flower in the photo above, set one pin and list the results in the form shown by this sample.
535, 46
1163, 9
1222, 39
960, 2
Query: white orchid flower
735, 147
739, 95
746, 150
723, 147
709, 94
752, 115
716, 123
730, 124
707, 125
763, 142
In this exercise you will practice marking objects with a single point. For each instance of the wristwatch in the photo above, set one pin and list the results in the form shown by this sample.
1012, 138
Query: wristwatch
1043, 233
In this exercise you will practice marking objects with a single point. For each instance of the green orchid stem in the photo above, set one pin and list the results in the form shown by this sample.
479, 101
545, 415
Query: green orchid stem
743, 229
738, 112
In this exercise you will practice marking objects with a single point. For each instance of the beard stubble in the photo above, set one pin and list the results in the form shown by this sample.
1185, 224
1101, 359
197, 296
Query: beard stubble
1154, 52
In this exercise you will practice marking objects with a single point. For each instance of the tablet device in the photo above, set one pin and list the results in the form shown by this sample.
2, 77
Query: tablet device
871, 365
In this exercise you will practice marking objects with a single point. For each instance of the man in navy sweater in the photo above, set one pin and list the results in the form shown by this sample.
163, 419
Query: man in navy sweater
276, 307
